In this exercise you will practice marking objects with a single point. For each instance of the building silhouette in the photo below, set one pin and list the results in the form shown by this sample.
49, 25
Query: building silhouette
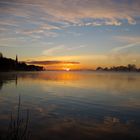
16, 58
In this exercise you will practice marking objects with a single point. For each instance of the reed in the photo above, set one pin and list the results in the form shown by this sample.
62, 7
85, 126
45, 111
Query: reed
18, 126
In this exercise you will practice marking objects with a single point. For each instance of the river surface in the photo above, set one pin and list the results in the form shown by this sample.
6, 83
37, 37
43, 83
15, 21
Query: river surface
73, 105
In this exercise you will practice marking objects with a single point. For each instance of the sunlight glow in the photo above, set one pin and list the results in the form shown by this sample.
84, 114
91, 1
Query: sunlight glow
67, 69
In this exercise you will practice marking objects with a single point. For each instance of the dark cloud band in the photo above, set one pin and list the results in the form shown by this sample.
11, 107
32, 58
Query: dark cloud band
51, 62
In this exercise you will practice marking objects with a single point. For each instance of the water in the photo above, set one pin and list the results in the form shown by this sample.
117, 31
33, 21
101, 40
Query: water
73, 105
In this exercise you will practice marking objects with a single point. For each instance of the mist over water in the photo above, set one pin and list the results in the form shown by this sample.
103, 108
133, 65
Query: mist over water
74, 105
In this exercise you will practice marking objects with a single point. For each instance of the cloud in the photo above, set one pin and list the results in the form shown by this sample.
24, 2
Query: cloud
125, 47
43, 28
111, 22
51, 62
128, 39
38, 19
58, 50
54, 50
50, 27
78, 47
73, 12
41, 19
40, 32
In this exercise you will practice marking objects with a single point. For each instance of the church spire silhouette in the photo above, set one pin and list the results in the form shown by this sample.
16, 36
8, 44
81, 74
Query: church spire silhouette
16, 59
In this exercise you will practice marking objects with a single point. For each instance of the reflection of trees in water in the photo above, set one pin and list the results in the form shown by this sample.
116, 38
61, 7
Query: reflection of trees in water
6, 78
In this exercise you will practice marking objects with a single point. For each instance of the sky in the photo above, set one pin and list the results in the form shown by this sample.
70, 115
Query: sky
71, 34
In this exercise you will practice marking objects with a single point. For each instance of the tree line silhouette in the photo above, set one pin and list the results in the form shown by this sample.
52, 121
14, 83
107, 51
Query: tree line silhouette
8, 64
128, 68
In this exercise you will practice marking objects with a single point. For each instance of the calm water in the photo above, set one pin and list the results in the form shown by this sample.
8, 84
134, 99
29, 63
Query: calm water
73, 105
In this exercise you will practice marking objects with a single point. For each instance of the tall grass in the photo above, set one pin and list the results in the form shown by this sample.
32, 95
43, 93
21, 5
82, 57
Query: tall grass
18, 126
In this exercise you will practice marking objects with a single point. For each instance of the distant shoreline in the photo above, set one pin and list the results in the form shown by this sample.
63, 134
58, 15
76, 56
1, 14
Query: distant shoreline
9, 65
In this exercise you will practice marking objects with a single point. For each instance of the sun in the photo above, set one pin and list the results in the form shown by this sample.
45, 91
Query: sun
67, 69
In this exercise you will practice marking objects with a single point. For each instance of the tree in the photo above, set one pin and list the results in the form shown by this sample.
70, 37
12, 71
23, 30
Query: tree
99, 68
131, 67
1, 55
